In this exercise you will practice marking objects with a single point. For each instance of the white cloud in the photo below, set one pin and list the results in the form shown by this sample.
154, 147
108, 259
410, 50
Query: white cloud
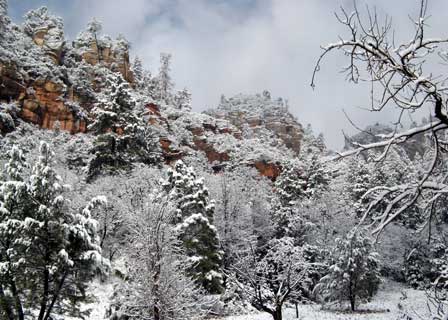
248, 46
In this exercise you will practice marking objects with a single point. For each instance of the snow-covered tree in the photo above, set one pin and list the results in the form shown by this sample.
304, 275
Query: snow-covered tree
115, 106
137, 69
158, 286
3, 17
48, 250
194, 225
121, 136
373, 55
276, 276
182, 100
89, 35
12, 200
164, 81
234, 193
354, 273
40, 19
300, 181
312, 145
359, 180
299, 184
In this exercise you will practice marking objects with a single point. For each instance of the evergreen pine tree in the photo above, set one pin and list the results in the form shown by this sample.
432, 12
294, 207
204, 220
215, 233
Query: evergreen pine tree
194, 224
182, 100
298, 184
354, 274
137, 69
122, 137
359, 176
89, 35
12, 204
164, 81
48, 251
3, 17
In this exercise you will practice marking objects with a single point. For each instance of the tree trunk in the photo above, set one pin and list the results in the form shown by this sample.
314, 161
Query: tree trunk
156, 313
277, 313
297, 310
5, 306
44, 301
15, 294
352, 302
17, 302
55, 296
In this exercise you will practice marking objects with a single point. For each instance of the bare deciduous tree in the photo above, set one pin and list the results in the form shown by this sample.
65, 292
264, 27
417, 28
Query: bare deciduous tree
158, 287
269, 280
401, 78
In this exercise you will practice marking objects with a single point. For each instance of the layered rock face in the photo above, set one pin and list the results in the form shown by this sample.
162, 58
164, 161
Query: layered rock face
44, 105
249, 130
266, 122
42, 102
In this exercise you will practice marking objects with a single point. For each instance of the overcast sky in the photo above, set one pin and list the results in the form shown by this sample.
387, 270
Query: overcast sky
246, 46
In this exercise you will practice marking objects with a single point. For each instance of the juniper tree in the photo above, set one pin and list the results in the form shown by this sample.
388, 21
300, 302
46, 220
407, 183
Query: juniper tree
194, 225
48, 250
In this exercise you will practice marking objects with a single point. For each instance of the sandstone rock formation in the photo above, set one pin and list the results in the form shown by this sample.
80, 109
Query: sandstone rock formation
41, 102
44, 105
114, 59
268, 169
52, 40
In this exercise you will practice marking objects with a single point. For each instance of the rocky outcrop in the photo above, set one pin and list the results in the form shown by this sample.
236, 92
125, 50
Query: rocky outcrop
211, 153
11, 84
51, 39
287, 129
40, 102
113, 59
260, 116
45, 106
268, 169
170, 154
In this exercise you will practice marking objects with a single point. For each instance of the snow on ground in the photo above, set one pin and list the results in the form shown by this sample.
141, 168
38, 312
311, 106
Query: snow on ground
385, 306
101, 292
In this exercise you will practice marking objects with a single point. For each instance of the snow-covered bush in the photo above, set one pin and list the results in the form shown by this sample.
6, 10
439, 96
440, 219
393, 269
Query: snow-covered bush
425, 263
